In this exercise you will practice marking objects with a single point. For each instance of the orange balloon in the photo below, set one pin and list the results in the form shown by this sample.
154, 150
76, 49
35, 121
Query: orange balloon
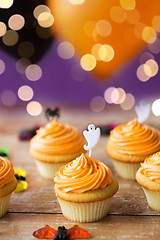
111, 31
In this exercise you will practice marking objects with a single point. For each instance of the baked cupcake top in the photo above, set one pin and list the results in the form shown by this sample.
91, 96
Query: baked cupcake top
83, 174
135, 139
6, 171
57, 138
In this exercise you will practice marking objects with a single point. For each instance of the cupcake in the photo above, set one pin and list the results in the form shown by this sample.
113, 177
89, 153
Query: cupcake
148, 176
129, 145
55, 145
8, 184
84, 188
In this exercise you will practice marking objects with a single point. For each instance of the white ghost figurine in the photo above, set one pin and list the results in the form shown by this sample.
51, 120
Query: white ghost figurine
143, 110
92, 136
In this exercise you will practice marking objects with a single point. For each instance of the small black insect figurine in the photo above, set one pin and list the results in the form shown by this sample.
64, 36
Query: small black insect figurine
19, 177
50, 114
61, 234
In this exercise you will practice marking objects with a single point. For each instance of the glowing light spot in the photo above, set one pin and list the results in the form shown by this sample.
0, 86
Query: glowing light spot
115, 95
45, 19
65, 50
8, 98
25, 93
34, 108
26, 49
43, 32
153, 66
77, 73
133, 16
155, 47
138, 29
33, 72
128, 5
76, 2
16, 22
121, 95
128, 102
40, 9
149, 35
88, 62
156, 107
141, 73
10, 38
156, 23
6, 3
103, 28
95, 51
108, 93
22, 64
89, 28
106, 53
117, 14
146, 56
97, 104
2, 66
3, 29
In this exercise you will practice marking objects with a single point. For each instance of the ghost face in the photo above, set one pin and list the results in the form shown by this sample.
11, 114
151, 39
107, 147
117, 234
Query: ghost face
91, 127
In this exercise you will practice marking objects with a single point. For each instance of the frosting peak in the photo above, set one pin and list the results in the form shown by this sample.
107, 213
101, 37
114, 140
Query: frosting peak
135, 138
6, 171
83, 174
57, 138
151, 167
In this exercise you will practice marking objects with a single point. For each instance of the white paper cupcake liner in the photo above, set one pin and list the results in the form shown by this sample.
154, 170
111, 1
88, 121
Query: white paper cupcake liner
126, 170
153, 199
4, 204
85, 212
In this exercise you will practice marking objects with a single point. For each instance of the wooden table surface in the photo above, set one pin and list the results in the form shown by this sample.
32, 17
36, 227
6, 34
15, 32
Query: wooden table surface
129, 216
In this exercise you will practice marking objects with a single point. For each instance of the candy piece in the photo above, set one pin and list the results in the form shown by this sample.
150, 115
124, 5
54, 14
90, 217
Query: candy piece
27, 134
4, 152
50, 114
22, 185
105, 129
46, 232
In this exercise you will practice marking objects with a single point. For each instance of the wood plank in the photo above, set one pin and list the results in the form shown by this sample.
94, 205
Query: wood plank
21, 226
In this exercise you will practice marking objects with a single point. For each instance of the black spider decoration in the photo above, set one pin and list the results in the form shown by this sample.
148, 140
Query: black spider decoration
50, 114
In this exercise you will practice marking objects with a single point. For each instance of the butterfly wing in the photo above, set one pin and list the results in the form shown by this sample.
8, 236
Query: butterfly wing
46, 232
77, 232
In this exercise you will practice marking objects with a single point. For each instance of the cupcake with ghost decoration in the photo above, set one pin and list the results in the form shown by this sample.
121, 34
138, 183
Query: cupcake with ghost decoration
148, 176
8, 184
130, 144
54, 145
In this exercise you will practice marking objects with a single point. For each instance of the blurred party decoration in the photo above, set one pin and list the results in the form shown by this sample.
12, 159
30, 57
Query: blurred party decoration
156, 107
143, 110
4, 152
27, 134
106, 34
20, 175
25, 28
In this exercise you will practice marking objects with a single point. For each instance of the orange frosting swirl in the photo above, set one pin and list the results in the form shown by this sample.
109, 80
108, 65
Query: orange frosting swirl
135, 138
6, 171
58, 139
151, 167
83, 174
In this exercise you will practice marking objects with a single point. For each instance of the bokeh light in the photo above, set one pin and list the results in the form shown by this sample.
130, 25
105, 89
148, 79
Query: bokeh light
97, 104
121, 95
22, 64
155, 47
128, 102
153, 66
117, 14
128, 4
26, 49
149, 34
133, 16
3, 29
156, 107
6, 3
88, 62
45, 19
145, 57
8, 98
34, 108
138, 29
103, 28
25, 93
108, 93
76, 2
10, 38
40, 9
65, 50
156, 23
16, 22
77, 73
95, 51
142, 73
106, 53
89, 28
33, 72
2, 66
